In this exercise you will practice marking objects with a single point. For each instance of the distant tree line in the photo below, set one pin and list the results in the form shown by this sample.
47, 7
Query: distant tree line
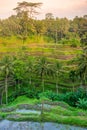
24, 24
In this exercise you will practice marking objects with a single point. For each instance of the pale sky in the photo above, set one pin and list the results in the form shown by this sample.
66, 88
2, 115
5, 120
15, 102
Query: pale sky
59, 8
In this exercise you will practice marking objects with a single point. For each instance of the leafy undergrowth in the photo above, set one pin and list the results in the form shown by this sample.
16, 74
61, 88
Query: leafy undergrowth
60, 113
22, 100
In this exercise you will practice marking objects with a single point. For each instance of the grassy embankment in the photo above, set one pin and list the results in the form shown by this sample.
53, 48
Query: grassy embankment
60, 113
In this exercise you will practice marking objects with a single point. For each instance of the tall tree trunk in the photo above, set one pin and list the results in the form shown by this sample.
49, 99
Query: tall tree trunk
2, 96
61, 34
15, 86
42, 109
0, 99
18, 82
6, 89
81, 83
57, 87
57, 91
30, 81
85, 84
43, 84
56, 36
73, 87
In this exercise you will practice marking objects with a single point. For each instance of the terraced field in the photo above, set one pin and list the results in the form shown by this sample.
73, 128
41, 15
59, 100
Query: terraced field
63, 53
51, 50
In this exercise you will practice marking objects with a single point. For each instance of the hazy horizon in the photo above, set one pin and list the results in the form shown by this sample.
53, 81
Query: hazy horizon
59, 8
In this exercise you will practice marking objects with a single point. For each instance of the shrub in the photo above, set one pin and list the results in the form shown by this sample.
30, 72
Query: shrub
33, 94
73, 97
53, 96
50, 95
82, 103
73, 44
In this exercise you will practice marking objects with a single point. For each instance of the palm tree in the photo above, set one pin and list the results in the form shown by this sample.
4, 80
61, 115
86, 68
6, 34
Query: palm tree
1, 94
18, 71
42, 69
57, 67
5, 68
82, 65
73, 76
30, 68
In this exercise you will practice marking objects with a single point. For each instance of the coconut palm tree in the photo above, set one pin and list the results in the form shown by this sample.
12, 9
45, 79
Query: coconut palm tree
57, 67
73, 77
6, 69
82, 67
18, 71
30, 63
42, 69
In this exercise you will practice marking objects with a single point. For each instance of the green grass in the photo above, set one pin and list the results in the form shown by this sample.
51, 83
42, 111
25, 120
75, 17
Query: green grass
61, 113
22, 100
72, 120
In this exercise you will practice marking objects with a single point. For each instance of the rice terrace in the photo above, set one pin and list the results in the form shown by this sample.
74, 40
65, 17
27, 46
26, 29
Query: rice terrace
43, 65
